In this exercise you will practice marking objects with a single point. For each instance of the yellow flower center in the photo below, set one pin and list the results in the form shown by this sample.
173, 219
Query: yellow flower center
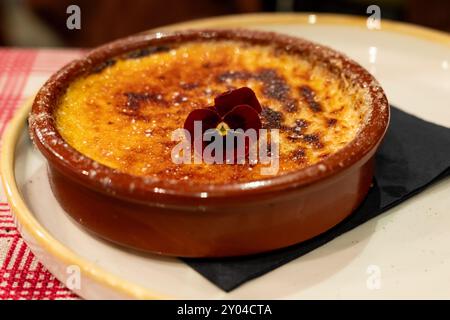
223, 128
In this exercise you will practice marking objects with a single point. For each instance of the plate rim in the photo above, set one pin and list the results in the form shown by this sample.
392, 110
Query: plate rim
25, 219
310, 18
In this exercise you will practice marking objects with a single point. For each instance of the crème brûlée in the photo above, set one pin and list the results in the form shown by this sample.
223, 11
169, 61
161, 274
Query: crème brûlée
105, 123
123, 112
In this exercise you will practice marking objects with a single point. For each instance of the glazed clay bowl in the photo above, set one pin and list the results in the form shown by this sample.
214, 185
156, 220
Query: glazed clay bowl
188, 220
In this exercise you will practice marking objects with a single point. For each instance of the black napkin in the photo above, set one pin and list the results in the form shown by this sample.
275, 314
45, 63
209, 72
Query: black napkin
413, 155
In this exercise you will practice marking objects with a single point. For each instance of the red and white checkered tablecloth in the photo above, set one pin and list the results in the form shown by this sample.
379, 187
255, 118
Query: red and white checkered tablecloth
22, 72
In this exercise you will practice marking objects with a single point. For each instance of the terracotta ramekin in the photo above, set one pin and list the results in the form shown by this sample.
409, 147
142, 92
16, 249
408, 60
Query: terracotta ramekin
188, 220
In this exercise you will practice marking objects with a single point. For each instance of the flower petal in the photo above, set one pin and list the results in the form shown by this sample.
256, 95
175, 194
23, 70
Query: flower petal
243, 117
228, 100
208, 117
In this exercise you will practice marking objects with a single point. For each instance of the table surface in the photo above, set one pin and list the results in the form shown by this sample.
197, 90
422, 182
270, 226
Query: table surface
22, 72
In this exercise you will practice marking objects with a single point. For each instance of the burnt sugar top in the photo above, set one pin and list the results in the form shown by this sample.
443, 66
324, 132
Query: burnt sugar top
123, 112
106, 120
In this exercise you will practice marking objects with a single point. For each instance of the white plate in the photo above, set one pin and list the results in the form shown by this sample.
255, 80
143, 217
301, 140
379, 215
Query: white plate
403, 253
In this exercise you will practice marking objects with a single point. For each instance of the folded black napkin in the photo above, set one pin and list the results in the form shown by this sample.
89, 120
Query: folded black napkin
413, 155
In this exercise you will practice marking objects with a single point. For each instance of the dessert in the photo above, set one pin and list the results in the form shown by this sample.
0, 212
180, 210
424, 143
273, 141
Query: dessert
122, 114
104, 124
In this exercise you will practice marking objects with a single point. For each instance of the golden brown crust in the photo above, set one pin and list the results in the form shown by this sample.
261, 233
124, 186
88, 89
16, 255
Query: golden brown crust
124, 114
74, 164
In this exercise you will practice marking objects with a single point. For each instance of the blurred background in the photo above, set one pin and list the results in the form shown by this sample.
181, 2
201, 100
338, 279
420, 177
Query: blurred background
43, 22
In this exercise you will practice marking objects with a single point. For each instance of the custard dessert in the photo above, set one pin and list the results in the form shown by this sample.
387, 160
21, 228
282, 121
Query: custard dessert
122, 112
105, 124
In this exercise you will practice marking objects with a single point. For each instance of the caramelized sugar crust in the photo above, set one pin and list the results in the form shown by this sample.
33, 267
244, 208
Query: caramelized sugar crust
124, 112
